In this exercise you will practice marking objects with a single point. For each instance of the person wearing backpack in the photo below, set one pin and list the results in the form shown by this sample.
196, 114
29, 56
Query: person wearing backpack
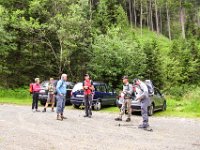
35, 93
51, 95
88, 88
127, 94
143, 97
61, 90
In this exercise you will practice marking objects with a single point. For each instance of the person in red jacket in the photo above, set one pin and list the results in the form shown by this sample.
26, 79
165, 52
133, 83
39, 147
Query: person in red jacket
36, 90
88, 88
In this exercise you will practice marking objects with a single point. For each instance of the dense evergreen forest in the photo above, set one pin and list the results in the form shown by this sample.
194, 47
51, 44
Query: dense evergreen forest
149, 39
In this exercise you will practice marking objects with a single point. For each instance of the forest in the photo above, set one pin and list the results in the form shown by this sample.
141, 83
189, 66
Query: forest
147, 39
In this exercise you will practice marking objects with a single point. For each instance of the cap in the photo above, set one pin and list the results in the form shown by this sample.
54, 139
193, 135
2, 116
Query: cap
135, 80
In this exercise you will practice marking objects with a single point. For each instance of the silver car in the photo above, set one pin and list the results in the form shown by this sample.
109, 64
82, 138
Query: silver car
157, 102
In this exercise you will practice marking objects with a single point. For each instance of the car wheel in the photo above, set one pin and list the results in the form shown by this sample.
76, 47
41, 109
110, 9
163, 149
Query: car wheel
151, 110
97, 106
164, 107
76, 106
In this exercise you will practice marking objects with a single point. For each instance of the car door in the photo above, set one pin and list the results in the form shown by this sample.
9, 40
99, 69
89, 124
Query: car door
104, 94
111, 95
157, 98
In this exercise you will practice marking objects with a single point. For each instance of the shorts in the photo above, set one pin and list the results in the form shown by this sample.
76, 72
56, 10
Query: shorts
51, 98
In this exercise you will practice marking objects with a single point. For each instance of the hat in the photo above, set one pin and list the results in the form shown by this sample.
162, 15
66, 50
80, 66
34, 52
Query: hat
125, 77
135, 80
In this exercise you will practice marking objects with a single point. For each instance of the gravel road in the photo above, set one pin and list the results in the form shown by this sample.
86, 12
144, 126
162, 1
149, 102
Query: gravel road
21, 129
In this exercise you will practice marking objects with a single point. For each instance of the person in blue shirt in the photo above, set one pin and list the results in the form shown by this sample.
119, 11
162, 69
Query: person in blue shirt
61, 89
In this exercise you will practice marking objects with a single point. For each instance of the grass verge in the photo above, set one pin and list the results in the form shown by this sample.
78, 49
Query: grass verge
175, 108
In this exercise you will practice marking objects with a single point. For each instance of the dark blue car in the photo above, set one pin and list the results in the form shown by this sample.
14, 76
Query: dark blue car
102, 96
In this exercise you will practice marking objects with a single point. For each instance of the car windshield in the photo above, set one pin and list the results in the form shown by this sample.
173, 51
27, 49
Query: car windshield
70, 85
44, 84
77, 87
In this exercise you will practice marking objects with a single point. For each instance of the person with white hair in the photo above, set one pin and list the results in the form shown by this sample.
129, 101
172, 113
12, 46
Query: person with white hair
61, 89
36, 89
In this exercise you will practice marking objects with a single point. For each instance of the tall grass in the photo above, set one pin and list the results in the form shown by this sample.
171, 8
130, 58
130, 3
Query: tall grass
19, 96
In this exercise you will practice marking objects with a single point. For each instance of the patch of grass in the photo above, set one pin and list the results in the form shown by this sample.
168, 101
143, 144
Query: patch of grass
18, 101
112, 109
181, 108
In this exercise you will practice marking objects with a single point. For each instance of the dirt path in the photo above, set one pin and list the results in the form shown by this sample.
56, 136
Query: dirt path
21, 129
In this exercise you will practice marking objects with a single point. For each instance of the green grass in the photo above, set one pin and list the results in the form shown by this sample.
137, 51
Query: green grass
188, 106
175, 108
18, 101
181, 108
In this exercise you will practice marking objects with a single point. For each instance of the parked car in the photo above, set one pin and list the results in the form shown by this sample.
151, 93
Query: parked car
102, 95
43, 95
157, 102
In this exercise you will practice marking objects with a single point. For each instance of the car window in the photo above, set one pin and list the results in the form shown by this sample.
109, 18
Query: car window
70, 85
45, 84
77, 87
157, 93
100, 88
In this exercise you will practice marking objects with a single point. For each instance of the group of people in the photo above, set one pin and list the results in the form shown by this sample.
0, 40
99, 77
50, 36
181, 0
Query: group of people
141, 94
58, 91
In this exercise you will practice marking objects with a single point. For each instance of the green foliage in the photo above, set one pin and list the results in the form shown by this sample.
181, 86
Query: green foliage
44, 38
153, 70
115, 54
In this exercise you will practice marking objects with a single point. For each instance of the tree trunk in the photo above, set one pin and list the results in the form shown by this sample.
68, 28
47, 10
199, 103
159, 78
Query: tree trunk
182, 20
156, 10
147, 13
168, 22
160, 16
141, 12
151, 14
130, 13
90, 3
135, 15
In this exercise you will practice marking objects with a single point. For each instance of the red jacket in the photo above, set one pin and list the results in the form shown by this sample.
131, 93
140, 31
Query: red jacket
88, 83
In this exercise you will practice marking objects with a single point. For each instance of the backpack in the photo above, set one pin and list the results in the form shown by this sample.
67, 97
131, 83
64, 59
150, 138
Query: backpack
55, 84
31, 88
150, 87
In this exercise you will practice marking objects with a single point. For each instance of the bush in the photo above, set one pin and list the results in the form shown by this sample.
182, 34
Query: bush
15, 93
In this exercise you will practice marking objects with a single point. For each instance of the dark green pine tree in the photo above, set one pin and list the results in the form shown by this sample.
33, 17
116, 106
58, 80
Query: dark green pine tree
153, 63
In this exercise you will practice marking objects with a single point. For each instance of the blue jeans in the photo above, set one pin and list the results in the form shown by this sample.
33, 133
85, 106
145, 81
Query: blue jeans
60, 103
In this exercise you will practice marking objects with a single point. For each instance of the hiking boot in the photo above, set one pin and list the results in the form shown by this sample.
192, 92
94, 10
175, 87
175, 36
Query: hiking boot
44, 110
128, 119
63, 117
142, 126
118, 119
59, 118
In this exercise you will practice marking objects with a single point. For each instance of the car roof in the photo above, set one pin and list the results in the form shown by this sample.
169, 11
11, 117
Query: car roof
95, 83
68, 82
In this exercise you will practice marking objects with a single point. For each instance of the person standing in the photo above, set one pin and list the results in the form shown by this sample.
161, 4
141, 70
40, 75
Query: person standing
51, 95
36, 89
143, 97
61, 89
88, 88
127, 94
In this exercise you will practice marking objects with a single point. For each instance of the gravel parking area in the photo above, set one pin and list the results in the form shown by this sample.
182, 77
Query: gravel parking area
21, 129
